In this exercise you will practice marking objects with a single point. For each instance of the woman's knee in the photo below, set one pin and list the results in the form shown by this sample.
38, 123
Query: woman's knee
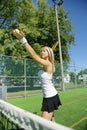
47, 115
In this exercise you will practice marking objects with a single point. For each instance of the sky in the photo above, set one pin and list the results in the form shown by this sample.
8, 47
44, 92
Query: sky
77, 12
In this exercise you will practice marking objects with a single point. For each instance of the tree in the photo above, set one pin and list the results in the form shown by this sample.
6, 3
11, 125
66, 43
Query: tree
39, 25
47, 27
72, 77
82, 72
8, 12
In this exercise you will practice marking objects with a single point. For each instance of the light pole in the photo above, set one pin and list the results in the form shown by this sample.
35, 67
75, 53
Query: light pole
59, 41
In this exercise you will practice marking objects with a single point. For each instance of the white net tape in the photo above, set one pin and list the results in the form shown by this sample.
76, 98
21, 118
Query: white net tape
27, 120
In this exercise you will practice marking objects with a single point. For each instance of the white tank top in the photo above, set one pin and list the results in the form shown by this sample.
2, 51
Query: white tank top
48, 88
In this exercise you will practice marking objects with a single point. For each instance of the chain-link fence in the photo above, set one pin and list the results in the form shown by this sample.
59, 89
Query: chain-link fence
20, 76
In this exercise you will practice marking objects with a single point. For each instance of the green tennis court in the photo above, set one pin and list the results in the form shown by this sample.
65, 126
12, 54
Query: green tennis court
72, 113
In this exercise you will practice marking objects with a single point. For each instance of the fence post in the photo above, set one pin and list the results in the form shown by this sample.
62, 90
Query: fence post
25, 76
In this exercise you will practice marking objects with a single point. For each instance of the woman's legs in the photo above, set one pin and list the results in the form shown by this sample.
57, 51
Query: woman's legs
48, 115
52, 119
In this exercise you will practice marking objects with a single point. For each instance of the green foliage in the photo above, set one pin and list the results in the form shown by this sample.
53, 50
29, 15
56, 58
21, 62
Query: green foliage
72, 77
39, 25
8, 11
82, 72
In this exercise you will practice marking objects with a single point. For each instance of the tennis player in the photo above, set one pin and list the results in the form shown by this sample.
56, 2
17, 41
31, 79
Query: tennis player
51, 100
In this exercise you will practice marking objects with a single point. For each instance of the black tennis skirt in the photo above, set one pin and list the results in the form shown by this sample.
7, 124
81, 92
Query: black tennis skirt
51, 104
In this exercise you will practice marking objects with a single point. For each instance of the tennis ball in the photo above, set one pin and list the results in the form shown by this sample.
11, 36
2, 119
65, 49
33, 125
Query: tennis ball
16, 30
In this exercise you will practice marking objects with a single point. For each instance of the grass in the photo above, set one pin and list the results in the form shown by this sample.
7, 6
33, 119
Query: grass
72, 110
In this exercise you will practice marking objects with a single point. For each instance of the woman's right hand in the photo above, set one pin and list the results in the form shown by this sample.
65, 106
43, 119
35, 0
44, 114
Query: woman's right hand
18, 34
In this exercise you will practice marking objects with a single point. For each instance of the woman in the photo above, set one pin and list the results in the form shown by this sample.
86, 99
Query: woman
51, 99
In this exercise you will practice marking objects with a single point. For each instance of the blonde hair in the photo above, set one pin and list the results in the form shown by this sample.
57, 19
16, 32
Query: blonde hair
51, 56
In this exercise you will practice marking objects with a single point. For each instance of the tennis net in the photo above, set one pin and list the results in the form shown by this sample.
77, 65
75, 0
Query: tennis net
15, 118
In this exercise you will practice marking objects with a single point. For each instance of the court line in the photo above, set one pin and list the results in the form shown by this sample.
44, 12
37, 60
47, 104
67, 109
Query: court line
78, 122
